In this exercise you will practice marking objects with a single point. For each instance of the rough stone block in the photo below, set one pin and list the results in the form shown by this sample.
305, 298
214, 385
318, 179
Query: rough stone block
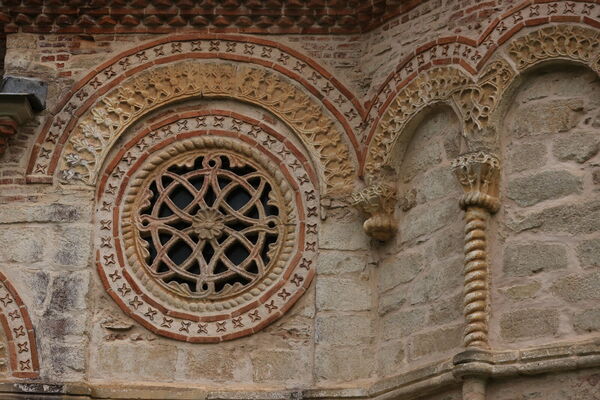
343, 294
72, 246
340, 262
208, 364
523, 292
529, 323
282, 366
344, 329
68, 292
391, 358
436, 184
526, 156
533, 258
336, 235
124, 360
447, 310
578, 147
55, 212
571, 218
420, 159
437, 341
440, 279
587, 321
399, 268
403, 323
428, 218
574, 288
450, 243
393, 299
529, 190
63, 361
547, 116
344, 363
588, 252
23, 244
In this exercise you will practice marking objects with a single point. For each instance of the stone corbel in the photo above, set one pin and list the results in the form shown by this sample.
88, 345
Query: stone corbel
379, 202
20, 99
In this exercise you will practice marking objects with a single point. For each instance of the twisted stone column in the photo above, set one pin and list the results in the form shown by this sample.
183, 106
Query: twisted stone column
478, 175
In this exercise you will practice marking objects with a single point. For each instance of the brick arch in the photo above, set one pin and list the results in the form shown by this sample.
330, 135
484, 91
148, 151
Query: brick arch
324, 96
472, 56
19, 332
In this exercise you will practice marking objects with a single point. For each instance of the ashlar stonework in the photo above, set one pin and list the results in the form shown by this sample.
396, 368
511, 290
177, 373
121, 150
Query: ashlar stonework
301, 199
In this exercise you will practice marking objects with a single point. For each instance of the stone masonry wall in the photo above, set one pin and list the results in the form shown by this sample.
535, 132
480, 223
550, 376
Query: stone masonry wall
545, 281
419, 275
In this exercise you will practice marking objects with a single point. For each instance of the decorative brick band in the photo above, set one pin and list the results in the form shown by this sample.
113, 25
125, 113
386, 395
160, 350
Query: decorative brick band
318, 127
19, 332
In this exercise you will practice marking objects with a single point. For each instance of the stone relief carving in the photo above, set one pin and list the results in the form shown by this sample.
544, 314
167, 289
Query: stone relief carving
210, 236
478, 174
474, 101
115, 111
379, 202
554, 42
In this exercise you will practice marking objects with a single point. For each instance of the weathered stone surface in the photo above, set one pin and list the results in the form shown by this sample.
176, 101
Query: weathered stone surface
206, 364
587, 321
522, 292
340, 262
572, 218
126, 360
343, 294
441, 278
526, 156
420, 160
55, 212
428, 218
436, 184
282, 366
533, 258
547, 116
343, 363
529, 323
450, 243
574, 288
403, 323
394, 298
532, 189
66, 361
446, 310
578, 147
335, 235
68, 292
439, 340
344, 329
588, 252
23, 244
72, 246
399, 268
391, 358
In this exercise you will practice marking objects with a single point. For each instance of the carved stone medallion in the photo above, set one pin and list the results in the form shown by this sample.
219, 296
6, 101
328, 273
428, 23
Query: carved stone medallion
205, 236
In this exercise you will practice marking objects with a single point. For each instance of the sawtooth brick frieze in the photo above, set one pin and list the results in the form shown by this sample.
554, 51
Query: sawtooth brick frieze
302, 199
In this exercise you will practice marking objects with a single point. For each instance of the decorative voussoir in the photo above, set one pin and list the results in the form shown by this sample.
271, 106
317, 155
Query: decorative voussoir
378, 201
478, 174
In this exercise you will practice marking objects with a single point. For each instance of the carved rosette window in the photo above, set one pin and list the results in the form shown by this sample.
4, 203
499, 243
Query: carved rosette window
206, 237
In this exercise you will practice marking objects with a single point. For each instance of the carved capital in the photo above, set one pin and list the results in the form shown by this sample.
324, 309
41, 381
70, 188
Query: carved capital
478, 174
378, 201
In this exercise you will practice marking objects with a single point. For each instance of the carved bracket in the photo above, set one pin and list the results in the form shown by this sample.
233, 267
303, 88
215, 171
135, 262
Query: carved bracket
378, 201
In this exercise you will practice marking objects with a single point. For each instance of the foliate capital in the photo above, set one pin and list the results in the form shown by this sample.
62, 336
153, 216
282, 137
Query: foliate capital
479, 175
379, 201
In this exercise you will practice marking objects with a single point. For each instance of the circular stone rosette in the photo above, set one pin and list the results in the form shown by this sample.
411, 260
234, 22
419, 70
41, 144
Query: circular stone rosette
205, 238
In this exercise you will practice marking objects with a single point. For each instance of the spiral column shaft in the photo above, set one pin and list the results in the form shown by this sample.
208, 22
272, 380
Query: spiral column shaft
478, 174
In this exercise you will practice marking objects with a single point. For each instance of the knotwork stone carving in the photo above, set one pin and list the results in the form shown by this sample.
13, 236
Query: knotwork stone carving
207, 237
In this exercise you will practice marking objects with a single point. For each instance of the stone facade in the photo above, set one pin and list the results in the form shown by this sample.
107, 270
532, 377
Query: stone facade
302, 199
